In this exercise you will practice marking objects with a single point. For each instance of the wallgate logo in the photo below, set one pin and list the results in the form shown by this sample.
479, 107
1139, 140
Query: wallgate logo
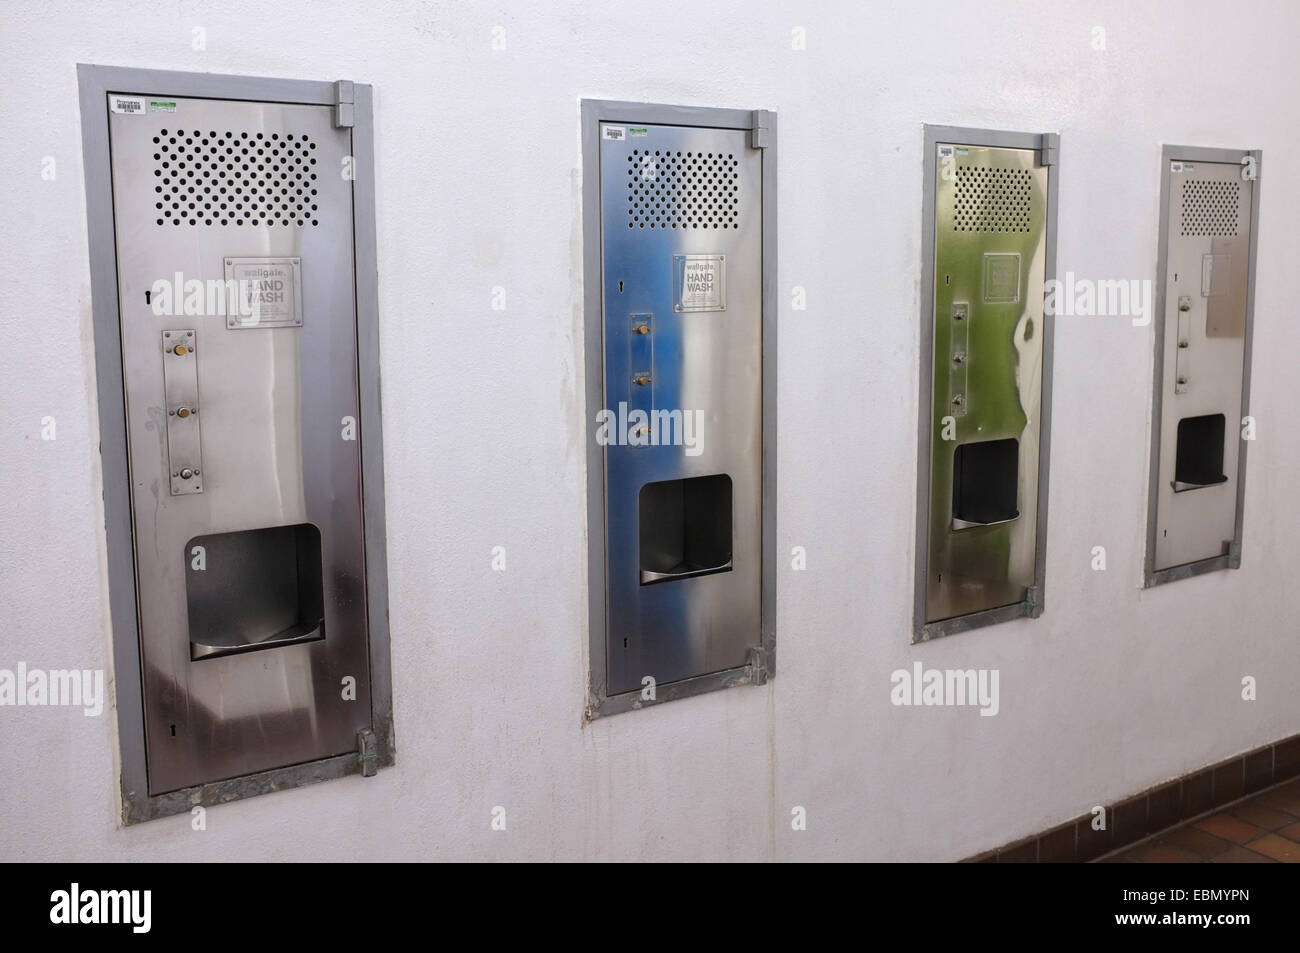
952, 687
102, 907
1087, 298
58, 687
656, 428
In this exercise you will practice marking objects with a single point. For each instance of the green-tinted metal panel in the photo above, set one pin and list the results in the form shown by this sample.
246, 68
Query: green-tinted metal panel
990, 250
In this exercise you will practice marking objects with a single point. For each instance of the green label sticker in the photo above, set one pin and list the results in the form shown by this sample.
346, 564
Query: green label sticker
161, 106
638, 131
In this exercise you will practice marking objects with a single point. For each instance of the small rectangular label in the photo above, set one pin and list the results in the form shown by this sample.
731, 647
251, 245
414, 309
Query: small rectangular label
127, 105
1215, 270
269, 293
1224, 274
616, 133
945, 152
1001, 278
638, 132
700, 282
162, 106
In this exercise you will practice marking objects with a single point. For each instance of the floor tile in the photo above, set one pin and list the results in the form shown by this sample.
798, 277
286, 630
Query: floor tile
1242, 855
1197, 841
1270, 819
1283, 798
1229, 828
1291, 831
1158, 853
1277, 847
1262, 829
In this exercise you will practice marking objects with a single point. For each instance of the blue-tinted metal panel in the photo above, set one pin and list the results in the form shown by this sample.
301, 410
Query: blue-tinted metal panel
681, 239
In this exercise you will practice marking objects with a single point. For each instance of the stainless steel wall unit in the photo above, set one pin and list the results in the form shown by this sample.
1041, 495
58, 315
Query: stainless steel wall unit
989, 233
241, 444
1205, 292
679, 224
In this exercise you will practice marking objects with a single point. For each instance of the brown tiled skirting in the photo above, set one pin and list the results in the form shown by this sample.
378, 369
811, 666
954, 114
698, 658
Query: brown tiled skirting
1158, 808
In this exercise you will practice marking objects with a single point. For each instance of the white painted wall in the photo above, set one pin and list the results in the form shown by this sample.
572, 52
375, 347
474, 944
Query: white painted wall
1113, 690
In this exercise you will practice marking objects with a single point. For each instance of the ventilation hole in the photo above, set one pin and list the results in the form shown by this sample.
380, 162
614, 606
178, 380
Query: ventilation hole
1211, 208
692, 191
993, 199
189, 164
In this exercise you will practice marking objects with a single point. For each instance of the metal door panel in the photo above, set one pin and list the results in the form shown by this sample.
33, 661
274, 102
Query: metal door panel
272, 405
990, 257
1208, 228
669, 192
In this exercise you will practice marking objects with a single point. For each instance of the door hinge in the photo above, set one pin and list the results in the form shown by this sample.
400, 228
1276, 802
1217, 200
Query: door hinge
1234, 554
1050, 147
756, 662
1034, 601
368, 752
760, 128
344, 104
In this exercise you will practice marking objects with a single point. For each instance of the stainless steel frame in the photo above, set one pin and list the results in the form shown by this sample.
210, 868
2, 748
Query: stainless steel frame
761, 129
1232, 558
375, 744
1047, 145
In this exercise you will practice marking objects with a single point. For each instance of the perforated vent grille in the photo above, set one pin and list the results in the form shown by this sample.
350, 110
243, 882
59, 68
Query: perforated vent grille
234, 178
1211, 207
682, 189
992, 200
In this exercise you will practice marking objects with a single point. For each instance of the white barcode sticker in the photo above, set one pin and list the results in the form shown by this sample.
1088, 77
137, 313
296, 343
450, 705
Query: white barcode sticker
128, 105
615, 132
945, 152
1175, 167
